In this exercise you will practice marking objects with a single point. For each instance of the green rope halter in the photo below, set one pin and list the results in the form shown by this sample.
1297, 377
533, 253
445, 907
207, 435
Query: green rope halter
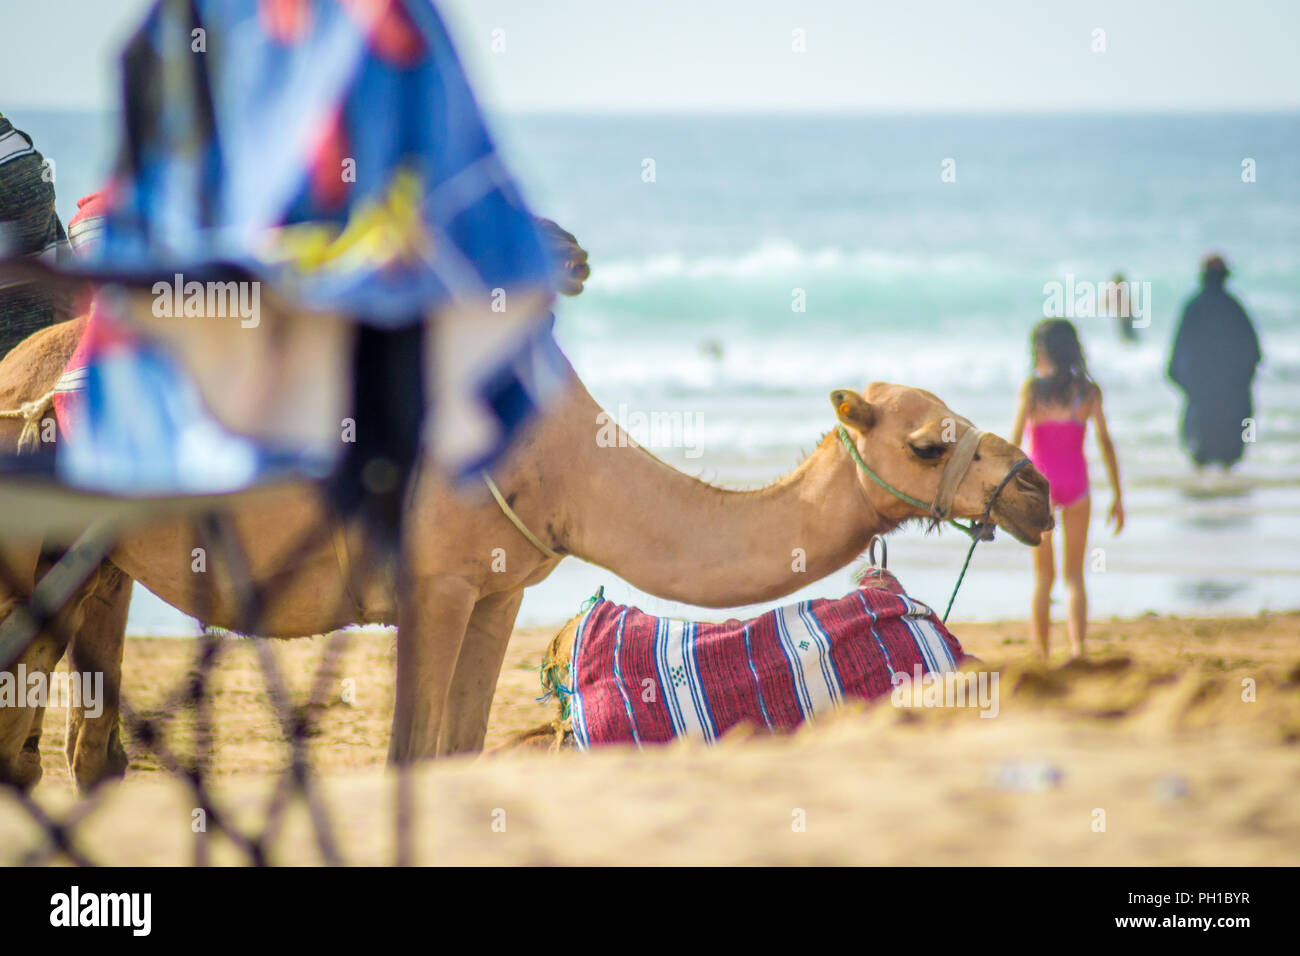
866, 469
971, 529
978, 531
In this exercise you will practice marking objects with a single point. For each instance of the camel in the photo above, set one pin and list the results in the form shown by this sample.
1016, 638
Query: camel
609, 503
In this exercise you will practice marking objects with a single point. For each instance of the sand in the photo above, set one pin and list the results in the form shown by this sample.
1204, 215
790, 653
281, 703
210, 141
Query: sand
1151, 752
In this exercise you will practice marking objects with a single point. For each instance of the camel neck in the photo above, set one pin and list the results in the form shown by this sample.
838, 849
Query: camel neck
682, 539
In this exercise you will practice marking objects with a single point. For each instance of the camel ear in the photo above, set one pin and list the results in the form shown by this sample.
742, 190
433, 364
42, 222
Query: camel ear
852, 409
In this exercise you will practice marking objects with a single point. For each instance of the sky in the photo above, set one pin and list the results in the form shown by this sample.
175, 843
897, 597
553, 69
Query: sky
729, 56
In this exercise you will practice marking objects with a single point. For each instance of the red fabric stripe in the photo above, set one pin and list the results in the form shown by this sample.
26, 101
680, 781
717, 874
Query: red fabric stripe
594, 673
724, 671
637, 664
285, 21
774, 674
392, 34
862, 668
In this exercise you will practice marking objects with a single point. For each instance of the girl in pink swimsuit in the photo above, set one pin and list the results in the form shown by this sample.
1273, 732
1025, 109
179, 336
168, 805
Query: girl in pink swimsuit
1056, 405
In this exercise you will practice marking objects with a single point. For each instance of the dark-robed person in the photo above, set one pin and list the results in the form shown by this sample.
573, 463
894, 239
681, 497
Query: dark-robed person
1214, 357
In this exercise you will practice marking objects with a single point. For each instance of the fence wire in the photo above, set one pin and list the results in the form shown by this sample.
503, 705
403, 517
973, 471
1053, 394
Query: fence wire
41, 611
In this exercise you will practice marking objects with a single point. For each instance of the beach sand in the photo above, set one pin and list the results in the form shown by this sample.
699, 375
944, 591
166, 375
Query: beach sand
1150, 752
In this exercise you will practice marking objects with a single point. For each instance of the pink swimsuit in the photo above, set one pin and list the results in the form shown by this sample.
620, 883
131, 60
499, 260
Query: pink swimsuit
1056, 449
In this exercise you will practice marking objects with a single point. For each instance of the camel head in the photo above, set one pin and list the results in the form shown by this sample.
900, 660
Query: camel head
907, 436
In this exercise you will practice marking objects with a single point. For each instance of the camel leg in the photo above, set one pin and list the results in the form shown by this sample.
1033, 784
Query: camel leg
475, 682
431, 622
20, 727
94, 743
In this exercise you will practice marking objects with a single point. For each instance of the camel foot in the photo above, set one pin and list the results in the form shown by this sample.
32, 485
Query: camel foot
92, 762
24, 772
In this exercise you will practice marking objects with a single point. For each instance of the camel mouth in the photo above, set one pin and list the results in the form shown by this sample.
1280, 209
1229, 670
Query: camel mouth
1025, 534
1024, 509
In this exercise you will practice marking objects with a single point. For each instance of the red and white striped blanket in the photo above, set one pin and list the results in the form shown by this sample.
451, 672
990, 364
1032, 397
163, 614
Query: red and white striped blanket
639, 679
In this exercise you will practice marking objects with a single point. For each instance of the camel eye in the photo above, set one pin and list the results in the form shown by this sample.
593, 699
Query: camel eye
929, 451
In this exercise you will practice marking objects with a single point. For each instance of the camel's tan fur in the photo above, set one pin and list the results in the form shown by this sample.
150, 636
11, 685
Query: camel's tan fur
619, 507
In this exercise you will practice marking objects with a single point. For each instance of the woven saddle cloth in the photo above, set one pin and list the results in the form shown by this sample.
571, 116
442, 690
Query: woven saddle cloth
640, 679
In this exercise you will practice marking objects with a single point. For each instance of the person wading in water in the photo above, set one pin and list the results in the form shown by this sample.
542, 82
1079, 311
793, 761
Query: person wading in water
1213, 361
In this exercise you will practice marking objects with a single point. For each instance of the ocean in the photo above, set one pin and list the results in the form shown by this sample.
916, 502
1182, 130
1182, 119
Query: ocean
920, 248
